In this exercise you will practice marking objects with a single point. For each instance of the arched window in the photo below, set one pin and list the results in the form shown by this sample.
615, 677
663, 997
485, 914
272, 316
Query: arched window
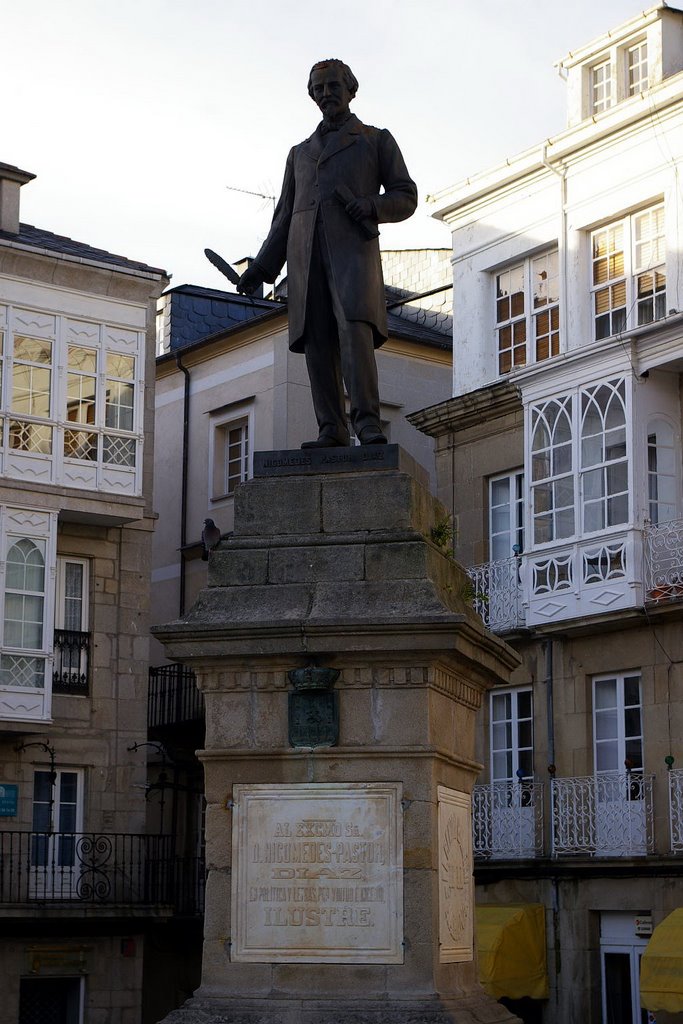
604, 467
24, 614
24, 595
552, 480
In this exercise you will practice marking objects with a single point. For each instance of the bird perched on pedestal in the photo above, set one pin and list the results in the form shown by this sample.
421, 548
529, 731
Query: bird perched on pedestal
211, 537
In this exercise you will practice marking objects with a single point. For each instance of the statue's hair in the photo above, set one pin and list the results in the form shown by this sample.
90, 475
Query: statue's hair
350, 80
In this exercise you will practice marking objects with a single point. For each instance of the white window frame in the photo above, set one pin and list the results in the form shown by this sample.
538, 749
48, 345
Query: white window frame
618, 713
34, 525
220, 424
539, 316
601, 85
62, 450
663, 471
511, 725
617, 936
515, 505
609, 78
620, 262
54, 857
636, 58
566, 475
60, 605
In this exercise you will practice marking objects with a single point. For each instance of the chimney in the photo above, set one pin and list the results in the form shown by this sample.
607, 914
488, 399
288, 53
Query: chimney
11, 180
244, 264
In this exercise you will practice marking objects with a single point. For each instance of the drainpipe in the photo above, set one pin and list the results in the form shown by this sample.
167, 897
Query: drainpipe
548, 683
550, 720
183, 483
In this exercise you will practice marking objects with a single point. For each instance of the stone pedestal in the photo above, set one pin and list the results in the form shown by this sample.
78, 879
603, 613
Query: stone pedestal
340, 876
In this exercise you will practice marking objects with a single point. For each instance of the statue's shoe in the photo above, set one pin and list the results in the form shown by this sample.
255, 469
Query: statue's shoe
371, 435
324, 441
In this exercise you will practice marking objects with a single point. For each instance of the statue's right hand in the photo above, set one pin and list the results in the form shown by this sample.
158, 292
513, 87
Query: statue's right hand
250, 280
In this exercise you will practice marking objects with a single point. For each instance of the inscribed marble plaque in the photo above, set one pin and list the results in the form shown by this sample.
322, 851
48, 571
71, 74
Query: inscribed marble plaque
318, 873
456, 890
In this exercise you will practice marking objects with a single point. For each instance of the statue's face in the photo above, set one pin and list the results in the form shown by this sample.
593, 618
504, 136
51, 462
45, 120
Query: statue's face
330, 92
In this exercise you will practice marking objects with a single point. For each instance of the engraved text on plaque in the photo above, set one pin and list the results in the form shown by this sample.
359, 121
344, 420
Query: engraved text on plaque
318, 873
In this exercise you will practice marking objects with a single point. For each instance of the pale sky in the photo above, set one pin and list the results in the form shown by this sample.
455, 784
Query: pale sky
136, 114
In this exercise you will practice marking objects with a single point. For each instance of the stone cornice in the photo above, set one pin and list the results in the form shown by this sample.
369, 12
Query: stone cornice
490, 402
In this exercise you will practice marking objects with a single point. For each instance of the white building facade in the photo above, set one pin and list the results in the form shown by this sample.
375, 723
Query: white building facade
560, 457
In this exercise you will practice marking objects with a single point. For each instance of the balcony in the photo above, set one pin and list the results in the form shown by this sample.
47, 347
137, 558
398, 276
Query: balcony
608, 815
95, 870
71, 665
497, 594
663, 557
507, 820
569, 581
174, 700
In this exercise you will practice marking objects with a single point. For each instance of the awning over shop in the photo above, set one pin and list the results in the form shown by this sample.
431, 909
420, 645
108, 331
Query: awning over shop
661, 967
511, 950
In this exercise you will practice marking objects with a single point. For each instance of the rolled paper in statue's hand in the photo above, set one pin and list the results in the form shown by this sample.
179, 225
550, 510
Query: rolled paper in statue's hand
367, 225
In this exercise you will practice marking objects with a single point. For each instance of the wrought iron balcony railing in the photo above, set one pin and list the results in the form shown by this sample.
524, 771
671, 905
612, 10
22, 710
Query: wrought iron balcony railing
663, 560
507, 820
497, 594
71, 669
606, 815
121, 869
173, 697
676, 809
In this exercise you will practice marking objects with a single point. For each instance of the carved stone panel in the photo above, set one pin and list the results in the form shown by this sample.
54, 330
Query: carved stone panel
318, 873
456, 890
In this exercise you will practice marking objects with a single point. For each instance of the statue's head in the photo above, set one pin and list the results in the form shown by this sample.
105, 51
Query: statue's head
350, 80
332, 85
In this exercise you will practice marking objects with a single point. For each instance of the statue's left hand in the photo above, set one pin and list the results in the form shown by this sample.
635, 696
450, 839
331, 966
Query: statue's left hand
360, 208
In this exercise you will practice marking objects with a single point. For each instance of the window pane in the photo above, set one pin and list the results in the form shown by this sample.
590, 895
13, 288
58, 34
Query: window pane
31, 390
32, 350
632, 691
502, 765
119, 405
562, 459
16, 670
120, 366
524, 704
617, 510
606, 693
82, 359
606, 724
501, 706
524, 734
501, 735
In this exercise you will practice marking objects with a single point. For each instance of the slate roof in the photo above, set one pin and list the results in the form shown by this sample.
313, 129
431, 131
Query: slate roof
200, 314
196, 312
37, 238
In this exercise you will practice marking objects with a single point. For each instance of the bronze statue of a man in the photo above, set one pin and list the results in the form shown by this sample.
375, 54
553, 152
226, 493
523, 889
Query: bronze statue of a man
324, 226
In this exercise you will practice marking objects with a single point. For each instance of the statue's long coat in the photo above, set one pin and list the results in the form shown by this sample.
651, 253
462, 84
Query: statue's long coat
364, 159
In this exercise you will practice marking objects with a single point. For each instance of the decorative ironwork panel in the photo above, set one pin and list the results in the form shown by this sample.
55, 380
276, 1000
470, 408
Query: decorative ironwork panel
507, 820
497, 594
676, 809
173, 696
664, 560
97, 869
607, 815
71, 662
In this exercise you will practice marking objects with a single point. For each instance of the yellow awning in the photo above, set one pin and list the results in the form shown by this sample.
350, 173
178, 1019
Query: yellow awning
511, 950
661, 966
